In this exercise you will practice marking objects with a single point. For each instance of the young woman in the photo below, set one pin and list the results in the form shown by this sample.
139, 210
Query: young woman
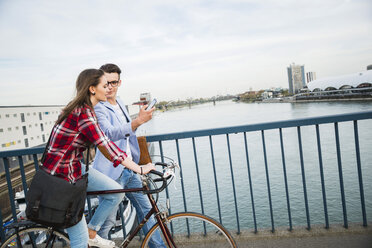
75, 128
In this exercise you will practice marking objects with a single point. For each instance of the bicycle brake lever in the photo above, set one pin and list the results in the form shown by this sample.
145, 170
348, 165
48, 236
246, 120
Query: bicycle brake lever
168, 173
176, 165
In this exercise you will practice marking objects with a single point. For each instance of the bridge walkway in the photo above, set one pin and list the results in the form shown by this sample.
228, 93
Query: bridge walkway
356, 236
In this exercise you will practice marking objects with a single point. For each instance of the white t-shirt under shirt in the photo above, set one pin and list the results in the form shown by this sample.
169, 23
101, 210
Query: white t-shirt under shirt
121, 115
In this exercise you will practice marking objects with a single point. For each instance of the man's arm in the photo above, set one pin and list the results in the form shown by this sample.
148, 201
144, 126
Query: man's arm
143, 117
116, 132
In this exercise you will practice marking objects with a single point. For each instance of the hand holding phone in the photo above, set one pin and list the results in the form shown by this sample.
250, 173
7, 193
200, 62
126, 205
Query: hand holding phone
152, 104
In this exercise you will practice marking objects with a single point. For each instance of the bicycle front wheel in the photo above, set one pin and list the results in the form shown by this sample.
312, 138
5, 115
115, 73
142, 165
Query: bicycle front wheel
191, 230
37, 237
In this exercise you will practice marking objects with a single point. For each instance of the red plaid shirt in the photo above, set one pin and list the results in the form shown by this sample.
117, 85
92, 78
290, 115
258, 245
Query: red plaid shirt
68, 142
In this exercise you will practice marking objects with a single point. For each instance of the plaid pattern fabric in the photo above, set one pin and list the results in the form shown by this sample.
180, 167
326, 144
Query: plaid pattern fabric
68, 142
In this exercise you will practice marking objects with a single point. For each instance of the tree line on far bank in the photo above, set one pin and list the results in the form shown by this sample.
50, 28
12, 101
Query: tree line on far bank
249, 96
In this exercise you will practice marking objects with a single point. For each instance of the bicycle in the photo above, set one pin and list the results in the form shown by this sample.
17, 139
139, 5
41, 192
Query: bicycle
184, 229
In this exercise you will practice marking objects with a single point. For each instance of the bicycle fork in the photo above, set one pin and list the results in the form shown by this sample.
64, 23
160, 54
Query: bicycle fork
161, 218
165, 230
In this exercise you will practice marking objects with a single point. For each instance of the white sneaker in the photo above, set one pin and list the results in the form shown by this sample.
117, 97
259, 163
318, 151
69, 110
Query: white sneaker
101, 242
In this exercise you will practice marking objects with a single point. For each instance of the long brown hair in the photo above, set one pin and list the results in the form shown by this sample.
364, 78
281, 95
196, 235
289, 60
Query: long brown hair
87, 78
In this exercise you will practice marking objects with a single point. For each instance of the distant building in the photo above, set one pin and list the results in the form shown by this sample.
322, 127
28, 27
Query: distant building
26, 126
310, 76
355, 80
145, 98
296, 78
351, 86
267, 94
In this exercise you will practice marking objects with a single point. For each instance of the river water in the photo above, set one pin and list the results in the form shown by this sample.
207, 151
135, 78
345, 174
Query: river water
229, 113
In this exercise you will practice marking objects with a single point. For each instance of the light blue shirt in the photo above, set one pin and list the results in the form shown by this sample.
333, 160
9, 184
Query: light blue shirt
124, 119
117, 130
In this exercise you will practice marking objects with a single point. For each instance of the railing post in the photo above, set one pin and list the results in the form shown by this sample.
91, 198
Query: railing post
181, 174
233, 183
340, 175
166, 189
322, 176
121, 211
10, 188
162, 160
285, 180
36, 162
303, 177
2, 233
215, 179
23, 175
198, 177
360, 176
250, 182
268, 181
89, 207
182, 186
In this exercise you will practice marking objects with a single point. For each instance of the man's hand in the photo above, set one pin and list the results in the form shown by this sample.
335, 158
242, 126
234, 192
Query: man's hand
143, 117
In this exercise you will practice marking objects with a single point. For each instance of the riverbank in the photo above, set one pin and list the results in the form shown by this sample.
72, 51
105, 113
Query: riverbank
291, 100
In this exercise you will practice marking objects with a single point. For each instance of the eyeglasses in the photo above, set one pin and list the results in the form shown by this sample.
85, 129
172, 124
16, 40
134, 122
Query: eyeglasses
113, 83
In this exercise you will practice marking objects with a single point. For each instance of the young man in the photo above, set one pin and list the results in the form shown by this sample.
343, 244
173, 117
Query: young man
116, 123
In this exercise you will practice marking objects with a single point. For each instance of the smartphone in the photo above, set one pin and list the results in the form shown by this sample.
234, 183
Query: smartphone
152, 104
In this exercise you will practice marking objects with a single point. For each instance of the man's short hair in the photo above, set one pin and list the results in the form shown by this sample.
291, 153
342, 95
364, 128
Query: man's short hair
110, 68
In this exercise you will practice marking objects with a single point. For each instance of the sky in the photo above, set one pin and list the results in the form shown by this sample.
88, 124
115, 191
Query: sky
176, 49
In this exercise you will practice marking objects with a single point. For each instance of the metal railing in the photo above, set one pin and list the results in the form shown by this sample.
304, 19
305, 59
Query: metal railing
262, 128
244, 130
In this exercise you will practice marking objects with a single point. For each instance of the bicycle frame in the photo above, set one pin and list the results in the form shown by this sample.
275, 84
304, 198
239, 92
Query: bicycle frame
153, 211
162, 219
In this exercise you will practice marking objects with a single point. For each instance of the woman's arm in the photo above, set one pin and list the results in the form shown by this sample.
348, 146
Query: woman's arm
128, 163
88, 126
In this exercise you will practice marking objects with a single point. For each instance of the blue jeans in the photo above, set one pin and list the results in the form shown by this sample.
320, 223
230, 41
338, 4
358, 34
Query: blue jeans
78, 233
129, 179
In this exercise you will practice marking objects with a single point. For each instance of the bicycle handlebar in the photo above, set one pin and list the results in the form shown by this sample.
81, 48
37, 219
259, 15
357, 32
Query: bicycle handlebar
162, 164
163, 186
162, 177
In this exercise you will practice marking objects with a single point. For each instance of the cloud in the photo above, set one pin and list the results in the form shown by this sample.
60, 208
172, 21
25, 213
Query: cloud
176, 50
